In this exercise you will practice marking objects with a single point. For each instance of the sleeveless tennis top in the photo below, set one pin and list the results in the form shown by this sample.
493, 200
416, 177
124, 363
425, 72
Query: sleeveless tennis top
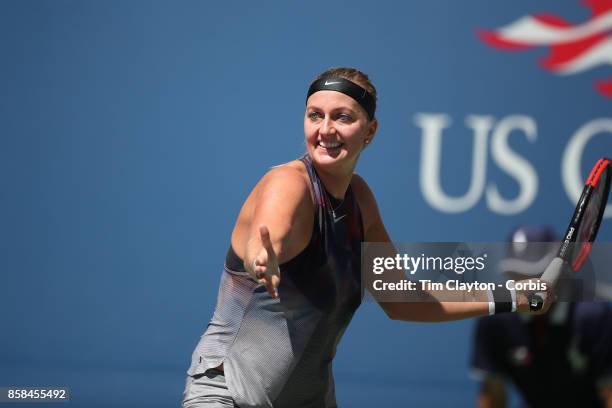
279, 352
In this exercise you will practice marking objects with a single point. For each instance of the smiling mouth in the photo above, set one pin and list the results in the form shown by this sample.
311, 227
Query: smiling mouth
329, 145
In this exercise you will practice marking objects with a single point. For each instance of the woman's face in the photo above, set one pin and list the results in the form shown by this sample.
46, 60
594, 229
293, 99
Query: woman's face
336, 129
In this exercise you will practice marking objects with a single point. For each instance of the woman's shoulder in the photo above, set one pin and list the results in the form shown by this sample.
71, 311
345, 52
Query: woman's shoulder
362, 190
294, 169
281, 201
288, 178
290, 173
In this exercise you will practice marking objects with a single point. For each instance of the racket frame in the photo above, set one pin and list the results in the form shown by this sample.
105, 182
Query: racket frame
559, 263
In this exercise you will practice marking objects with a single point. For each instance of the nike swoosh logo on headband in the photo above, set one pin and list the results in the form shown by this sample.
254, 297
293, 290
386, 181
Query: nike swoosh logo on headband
331, 83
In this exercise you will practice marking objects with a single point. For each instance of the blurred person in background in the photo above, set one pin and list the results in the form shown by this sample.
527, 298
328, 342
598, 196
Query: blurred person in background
559, 359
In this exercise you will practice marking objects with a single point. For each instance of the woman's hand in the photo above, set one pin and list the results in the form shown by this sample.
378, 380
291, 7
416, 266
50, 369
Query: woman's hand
265, 264
523, 296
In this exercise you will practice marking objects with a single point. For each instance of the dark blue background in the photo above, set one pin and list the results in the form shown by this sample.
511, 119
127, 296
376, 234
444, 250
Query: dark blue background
132, 131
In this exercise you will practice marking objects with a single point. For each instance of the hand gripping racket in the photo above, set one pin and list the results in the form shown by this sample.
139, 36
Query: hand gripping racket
582, 229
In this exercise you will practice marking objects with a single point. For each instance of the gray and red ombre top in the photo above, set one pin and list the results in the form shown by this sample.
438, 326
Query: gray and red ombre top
279, 352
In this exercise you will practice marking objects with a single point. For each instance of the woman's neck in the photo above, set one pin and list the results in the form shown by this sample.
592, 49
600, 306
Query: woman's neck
336, 183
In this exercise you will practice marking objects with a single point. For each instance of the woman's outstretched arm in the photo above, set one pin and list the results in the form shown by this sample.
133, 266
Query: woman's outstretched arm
422, 305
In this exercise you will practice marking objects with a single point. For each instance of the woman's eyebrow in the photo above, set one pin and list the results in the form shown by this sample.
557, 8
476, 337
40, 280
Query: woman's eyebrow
344, 109
338, 108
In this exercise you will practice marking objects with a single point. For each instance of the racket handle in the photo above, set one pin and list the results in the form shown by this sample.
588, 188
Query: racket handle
551, 275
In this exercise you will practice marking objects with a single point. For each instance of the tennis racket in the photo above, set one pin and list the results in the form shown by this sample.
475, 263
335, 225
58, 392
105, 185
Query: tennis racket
582, 229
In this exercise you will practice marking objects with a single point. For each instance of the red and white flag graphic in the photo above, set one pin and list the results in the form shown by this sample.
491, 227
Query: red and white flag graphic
574, 48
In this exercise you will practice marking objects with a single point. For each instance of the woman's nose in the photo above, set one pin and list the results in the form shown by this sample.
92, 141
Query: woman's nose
327, 128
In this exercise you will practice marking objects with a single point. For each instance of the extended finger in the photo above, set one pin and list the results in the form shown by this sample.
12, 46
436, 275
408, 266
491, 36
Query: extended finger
271, 285
264, 233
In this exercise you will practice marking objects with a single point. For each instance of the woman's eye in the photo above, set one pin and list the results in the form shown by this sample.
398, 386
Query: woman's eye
313, 116
343, 117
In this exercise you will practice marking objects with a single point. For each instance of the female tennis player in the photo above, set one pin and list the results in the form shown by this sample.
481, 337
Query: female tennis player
292, 277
